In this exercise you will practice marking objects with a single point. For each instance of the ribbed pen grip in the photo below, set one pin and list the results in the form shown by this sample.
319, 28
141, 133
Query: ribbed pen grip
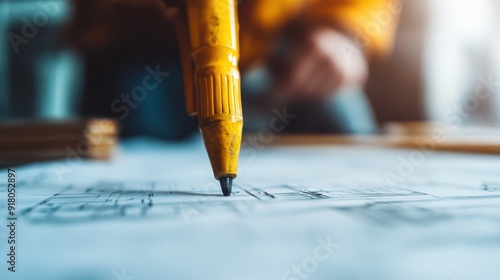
219, 94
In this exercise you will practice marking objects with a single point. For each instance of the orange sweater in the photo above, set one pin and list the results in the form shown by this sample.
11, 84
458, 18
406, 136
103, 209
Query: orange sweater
371, 23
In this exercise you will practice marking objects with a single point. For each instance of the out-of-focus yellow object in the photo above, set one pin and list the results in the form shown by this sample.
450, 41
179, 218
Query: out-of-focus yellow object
372, 23
212, 90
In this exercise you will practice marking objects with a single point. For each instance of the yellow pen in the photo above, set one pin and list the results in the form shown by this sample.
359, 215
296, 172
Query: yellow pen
213, 89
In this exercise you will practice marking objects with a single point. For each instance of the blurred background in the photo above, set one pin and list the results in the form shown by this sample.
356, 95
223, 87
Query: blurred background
443, 51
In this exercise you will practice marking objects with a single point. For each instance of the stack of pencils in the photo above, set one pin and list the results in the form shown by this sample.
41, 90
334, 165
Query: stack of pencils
31, 141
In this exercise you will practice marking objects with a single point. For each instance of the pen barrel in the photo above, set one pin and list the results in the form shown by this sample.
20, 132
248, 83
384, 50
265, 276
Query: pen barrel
213, 23
213, 26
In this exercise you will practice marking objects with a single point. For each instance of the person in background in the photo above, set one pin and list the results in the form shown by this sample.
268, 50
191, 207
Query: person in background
308, 58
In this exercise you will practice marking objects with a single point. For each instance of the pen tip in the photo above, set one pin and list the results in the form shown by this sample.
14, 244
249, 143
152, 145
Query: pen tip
226, 184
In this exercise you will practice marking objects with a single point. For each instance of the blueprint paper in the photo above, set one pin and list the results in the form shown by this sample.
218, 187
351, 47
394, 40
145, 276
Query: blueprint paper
319, 212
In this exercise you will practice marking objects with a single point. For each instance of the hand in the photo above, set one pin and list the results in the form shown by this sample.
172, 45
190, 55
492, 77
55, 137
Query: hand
320, 63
